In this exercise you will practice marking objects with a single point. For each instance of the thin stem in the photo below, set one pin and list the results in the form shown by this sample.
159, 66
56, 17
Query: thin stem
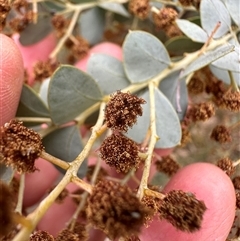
85, 186
54, 160
128, 176
20, 194
151, 193
34, 119
153, 140
236, 163
233, 81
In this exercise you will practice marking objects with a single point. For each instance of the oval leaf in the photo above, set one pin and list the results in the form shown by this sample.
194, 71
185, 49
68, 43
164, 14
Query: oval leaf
212, 12
66, 144
108, 73
234, 10
31, 105
6, 173
192, 30
115, 8
167, 122
71, 91
207, 58
144, 56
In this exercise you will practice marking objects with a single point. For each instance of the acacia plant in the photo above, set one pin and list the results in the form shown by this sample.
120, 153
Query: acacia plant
180, 68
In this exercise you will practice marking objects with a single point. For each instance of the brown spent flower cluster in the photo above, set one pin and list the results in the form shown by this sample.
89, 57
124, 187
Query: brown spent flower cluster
139, 8
41, 236
195, 3
60, 24
115, 210
122, 111
6, 210
182, 210
4, 10
201, 112
196, 85
221, 134
19, 146
236, 182
226, 165
186, 135
167, 165
20, 6
238, 199
120, 152
231, 101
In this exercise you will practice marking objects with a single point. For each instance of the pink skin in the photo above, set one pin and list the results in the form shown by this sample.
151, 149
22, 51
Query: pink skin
214, 187
11, 78
205, 180
36, 52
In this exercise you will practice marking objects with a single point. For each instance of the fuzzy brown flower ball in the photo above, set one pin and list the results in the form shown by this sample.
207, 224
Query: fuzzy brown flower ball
226, 165
19, 146
6, 210
41, 236
221, 134
167, 165
236, 182
140, 8
115, 210
120, 152
196, 85
183, 210
122, 110
202, 111
231, 101
238, 199
4, 10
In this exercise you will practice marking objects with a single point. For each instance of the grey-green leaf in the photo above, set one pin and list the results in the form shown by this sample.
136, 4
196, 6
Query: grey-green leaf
207, 58
92, 23
71, 91
66, 144
167, 122
175, 90
192, 30
108, 73
212, 12
6, 173
234, 10
115, 8
31, 105
34, 33
144, 56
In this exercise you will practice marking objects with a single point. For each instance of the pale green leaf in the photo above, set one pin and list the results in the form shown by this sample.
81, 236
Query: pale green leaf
192, 30
115, 8
144, 56
71, 91
6, 173
108, 72
66, 144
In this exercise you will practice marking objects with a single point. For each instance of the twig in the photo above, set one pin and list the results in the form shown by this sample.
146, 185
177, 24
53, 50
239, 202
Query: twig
233, 81
20, 194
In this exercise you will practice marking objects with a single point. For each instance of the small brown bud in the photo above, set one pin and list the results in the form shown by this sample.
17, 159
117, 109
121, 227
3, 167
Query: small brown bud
18, 24
186, 136
139, 8
4, 10
231, 101
120, 152
226, 165
236, 182
202, 111
173, 31
132, 238
167, 165
122, 110
182, 210
221, 134
115, 209
196, 85
80, 49
20, 6
164, 18
19, 146
41, 236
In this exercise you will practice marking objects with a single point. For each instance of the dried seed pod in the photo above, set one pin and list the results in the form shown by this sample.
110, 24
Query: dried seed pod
19, 146
115, 209
221, 134
139, 8
236, 182
226, 165
122, 111
41, 236
182, 210
167, 165
120, 152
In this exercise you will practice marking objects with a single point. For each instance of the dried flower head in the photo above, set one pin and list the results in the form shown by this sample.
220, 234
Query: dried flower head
122, 110
139, 8
231, 101
202, 111
60, 24
167, 165
120, 152
18, 24
115, 209
221, 134
173, 31
196, 85
186, 2
4, 10
41, 236
236, 182
164, 18
6, 210
20, 6
80, 48
182, 210
186, 135
238, 199
226, 165
43, 69
19, 146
